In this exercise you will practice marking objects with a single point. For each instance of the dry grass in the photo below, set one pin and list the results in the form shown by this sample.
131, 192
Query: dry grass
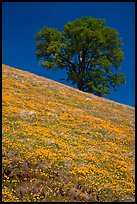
60, 144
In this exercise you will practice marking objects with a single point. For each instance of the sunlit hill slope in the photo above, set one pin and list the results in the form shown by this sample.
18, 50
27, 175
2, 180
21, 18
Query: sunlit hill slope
61, 144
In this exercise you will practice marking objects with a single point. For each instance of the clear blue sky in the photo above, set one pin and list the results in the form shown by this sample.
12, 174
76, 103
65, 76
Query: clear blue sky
22, 20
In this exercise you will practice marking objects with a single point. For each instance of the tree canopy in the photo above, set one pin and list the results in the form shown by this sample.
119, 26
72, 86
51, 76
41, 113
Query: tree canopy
88, 49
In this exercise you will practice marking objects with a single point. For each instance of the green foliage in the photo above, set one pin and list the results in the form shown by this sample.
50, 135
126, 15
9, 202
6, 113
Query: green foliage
89, 51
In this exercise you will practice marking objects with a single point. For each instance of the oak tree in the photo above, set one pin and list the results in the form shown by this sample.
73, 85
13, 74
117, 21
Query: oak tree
88, 49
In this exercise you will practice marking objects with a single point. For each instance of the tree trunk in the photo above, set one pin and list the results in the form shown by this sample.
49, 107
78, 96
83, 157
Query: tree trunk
80, 86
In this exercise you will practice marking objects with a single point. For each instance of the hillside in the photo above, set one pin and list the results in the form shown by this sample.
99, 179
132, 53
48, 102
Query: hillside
61, 144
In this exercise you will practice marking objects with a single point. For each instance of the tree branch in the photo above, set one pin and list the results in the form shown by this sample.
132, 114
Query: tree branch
66, 59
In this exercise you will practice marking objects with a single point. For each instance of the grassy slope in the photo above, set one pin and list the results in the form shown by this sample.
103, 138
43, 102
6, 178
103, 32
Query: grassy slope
61, 144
